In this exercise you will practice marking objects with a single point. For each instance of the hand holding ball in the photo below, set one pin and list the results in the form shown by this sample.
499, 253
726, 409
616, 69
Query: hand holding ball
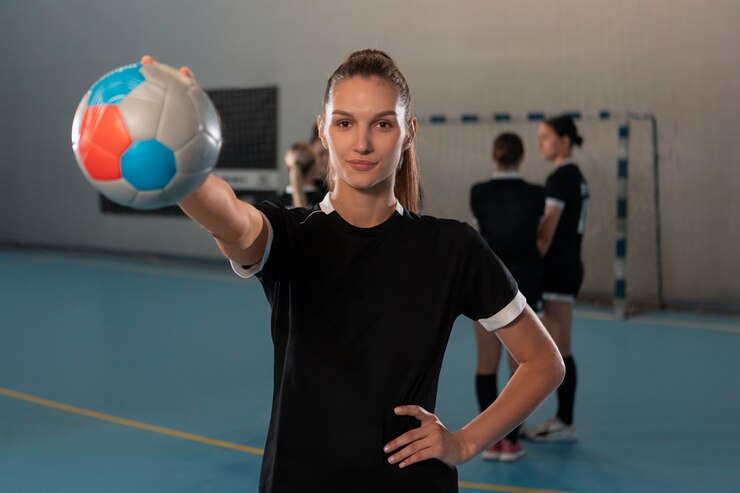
146, 135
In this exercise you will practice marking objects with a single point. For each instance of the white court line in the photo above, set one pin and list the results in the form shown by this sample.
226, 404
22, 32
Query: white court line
667, 322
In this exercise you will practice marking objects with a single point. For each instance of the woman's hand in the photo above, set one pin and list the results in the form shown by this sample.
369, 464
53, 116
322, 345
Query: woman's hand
431, 440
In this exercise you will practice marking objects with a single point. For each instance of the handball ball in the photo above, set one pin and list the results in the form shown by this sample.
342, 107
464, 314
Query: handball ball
146, 135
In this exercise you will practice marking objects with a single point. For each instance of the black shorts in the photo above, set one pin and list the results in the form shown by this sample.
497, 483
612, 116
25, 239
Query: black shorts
529, 280
562, 278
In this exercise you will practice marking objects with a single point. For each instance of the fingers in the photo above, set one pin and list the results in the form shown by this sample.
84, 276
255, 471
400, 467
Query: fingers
408, 437
417, 412
415, 452
187, 72
149, 60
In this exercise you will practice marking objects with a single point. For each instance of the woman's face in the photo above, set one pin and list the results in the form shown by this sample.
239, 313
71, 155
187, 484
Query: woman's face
364, 128
552, 146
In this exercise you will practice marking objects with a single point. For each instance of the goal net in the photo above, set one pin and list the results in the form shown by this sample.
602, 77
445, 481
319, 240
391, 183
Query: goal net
455, 153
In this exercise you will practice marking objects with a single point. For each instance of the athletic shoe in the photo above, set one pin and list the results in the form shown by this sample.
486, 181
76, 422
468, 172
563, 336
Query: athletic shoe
511, 451
493, 452
552, 430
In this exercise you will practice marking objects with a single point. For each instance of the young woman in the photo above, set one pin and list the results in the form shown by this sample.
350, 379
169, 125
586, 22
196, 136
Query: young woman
364, 293
508, 211
560, 236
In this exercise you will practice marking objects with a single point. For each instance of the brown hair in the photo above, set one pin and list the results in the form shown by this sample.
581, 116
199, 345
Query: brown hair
508, 149
304, 156
375, 63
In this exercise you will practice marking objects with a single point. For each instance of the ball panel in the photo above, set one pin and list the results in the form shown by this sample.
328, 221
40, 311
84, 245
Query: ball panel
100, 164
179, 121
152, 200
141, 111
198, 155
77, 122
183, 185
148, 165
207, 112
165, 76
103, 138
116, 85
119, 191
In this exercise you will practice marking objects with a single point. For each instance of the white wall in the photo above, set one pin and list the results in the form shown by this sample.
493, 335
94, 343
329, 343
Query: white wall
677, 59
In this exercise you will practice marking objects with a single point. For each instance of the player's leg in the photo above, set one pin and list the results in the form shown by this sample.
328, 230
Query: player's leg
486, 388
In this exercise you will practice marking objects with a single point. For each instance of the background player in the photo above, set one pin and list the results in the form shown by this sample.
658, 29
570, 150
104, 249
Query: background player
508, 211
560, 236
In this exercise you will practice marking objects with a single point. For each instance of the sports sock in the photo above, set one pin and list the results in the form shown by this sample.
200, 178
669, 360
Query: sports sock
486, 390
567, 392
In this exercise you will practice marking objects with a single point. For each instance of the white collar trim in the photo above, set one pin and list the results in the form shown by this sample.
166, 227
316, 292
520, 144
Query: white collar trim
327, 207
507, 175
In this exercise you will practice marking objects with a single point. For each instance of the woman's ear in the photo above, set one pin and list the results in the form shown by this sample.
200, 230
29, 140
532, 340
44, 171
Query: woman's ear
412, 134
320, 126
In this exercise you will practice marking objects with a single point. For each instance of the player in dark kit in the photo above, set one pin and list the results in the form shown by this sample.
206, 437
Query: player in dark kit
508, 211
364, 292
560, 239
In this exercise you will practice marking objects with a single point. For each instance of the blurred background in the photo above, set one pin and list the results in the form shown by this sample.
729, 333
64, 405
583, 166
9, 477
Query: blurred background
674, 60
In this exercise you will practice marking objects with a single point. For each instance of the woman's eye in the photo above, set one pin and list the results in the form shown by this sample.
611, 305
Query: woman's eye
384, 124
343, 124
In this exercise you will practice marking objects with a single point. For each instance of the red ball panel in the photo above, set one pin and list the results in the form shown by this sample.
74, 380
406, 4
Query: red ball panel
103, 138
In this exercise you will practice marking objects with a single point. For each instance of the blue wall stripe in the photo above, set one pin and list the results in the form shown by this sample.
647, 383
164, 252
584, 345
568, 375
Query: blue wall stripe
621, 208
469, 118
619, 289
437, 119
501, 117
535, 116
621, 248
624, 131
622, 168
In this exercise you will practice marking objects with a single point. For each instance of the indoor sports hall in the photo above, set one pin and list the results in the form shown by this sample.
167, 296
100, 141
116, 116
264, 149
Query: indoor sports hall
134, 359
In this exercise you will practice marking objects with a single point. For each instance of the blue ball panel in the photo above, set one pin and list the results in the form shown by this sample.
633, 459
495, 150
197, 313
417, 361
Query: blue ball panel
116, 85
148, 165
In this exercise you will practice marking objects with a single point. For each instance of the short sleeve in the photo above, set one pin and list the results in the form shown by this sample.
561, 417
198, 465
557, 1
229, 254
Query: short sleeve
556, 190
490, 294
269, 266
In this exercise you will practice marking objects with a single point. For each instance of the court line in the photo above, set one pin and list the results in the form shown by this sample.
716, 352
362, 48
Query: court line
497, 487
210, 441
128, 422
667, 322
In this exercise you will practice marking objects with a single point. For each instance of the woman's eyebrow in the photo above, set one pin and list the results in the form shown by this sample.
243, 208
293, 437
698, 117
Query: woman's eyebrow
377, 115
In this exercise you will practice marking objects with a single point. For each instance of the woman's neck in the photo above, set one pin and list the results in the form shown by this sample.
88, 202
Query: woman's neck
562, 159
363, 208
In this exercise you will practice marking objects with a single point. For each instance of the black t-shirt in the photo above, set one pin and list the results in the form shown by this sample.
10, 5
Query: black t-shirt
360, 321
566, 188
508, 211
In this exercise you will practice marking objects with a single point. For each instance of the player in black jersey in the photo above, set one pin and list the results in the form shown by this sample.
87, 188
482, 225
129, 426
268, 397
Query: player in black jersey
364, 292
560, 236
508, 211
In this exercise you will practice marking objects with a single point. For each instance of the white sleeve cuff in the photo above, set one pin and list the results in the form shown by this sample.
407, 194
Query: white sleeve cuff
506, 315
554, 202
247, 272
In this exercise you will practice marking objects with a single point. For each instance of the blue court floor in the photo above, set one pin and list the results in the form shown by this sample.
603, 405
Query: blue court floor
146, 376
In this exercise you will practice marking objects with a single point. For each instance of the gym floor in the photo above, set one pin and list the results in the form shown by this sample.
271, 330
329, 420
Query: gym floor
131, 375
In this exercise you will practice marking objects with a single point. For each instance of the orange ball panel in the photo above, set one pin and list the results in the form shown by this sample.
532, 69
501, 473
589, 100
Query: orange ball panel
103, 138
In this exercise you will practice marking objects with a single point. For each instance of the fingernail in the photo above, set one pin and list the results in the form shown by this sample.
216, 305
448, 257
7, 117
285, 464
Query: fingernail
386, 448
391, 459
402, 464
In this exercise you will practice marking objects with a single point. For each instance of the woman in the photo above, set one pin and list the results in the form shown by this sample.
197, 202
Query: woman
508, 211
560, 236
364, 292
